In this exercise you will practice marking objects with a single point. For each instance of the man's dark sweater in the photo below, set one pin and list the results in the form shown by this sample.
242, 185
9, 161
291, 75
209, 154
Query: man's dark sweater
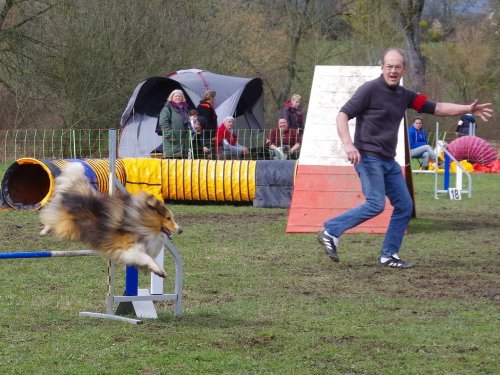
379, 109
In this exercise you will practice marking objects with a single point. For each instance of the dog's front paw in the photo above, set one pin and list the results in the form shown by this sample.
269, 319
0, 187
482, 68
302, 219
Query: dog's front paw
160, 272
153, 268
44, 231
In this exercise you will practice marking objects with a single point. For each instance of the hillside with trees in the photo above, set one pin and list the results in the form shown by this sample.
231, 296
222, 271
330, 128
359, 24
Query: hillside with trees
75, 63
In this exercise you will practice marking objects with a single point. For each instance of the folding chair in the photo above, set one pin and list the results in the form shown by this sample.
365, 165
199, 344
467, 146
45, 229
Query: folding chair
420, 162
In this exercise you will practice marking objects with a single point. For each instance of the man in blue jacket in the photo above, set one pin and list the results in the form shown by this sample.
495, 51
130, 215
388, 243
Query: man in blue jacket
419, 148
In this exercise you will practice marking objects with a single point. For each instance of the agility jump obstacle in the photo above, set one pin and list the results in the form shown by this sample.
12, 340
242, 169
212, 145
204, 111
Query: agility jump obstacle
456, 192
134, 300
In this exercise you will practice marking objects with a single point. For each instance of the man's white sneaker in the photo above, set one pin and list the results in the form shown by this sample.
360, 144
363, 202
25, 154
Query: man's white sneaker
330, 244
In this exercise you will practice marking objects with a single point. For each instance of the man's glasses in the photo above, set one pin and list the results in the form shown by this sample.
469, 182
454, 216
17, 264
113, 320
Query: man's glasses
390, 68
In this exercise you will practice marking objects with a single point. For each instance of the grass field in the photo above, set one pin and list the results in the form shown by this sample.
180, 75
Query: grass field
259, 301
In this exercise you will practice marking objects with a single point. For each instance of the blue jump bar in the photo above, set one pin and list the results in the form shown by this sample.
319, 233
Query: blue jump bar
46, 254
26, 254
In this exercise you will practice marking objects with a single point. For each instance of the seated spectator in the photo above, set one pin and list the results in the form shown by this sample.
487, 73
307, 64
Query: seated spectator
284, 143
419, 148
201, 143
193, 115
292, 112
227, 146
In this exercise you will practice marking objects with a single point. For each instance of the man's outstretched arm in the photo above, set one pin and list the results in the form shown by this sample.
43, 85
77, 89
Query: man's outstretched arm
483, 110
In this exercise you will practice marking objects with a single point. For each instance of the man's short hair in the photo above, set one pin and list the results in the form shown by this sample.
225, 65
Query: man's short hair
401, 51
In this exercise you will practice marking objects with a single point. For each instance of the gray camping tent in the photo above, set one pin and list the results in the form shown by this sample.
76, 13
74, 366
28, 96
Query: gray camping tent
242, 98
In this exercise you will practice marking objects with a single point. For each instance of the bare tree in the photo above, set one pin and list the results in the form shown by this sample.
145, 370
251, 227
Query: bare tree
410, 13
372, 30
19, 47
105, 48
296, 17
298, 33
22, 47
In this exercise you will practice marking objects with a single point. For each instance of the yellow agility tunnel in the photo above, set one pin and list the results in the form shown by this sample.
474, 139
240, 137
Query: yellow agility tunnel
192, 180
29, 183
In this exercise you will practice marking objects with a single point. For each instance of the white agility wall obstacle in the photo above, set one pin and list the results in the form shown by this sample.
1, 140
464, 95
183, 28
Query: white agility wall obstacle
326, 183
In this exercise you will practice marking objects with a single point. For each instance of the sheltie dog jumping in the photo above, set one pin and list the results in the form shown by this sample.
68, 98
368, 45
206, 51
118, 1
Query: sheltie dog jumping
127, 229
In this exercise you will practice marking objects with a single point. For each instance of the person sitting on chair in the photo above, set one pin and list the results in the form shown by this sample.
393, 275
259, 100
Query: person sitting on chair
201, 142
419, 148
227, 146
284, 143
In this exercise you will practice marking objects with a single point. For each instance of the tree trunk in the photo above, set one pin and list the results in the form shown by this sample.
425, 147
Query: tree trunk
294, 47
410, 12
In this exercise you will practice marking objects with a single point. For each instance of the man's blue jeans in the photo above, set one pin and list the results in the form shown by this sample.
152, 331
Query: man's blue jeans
378, 178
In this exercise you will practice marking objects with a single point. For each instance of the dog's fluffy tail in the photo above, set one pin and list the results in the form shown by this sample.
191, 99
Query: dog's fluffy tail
73, 180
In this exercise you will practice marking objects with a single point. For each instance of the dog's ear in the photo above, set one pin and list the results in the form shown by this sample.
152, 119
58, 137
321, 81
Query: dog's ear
157, 205
145, 196
151, 201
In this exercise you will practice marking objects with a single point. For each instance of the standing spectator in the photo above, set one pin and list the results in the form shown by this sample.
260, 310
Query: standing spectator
466, 125
206, 108
284, 142
419, 148
174, 123
379, 106
227, 146
292, 112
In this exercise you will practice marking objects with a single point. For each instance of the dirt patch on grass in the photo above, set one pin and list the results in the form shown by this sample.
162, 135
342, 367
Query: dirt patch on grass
438, 281
428, 285
235, 218
19, 233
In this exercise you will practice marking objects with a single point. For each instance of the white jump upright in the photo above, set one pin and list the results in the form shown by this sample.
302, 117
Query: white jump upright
454, 193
